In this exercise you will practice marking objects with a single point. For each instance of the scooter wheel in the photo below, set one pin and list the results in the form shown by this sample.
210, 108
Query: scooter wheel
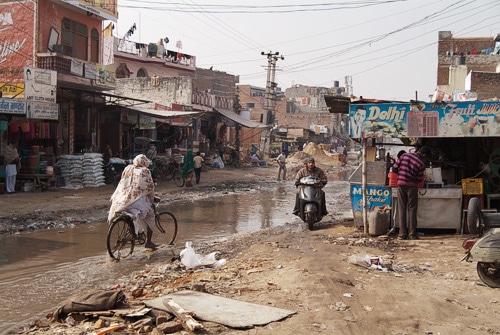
310, 220
489, 274
474, 219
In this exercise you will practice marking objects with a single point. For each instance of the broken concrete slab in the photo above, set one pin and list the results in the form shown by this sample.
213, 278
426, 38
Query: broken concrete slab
229, 312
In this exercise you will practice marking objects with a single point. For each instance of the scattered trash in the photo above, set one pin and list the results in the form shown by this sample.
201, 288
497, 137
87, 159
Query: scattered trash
339, 306
367, 261
368, 308
191, 259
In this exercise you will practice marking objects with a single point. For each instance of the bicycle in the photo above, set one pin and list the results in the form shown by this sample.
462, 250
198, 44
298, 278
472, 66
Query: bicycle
121, 237
168, 171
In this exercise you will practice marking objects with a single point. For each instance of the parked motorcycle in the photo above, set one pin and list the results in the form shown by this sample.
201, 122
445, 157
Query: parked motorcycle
310, 200
113, 170
485, 250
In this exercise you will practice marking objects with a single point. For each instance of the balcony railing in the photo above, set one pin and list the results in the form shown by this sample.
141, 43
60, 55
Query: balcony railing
55, 62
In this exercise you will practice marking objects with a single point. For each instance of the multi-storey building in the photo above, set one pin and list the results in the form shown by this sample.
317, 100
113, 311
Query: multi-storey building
468, 67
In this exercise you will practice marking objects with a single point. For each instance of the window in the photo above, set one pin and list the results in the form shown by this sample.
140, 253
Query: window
74, 38
142, 72
94, 46
250, 105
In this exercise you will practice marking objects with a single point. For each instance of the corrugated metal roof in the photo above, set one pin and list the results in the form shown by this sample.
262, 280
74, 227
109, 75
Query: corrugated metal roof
239, 119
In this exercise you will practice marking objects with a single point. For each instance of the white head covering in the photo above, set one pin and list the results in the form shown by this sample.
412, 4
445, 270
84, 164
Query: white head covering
136, 182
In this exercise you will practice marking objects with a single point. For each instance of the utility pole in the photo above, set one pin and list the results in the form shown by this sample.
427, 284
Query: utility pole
271, 85
237, 110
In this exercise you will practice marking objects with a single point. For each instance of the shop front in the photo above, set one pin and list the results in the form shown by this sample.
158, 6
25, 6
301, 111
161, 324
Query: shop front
35, 127
463, 137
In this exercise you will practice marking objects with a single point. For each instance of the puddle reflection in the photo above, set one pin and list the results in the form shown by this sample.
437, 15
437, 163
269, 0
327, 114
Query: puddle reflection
39, 270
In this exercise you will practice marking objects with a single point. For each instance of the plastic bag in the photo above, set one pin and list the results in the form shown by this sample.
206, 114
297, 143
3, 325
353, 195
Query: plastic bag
188, 257
191, 259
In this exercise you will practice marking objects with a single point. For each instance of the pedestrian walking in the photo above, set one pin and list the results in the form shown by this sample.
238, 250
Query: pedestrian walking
12, 165
281, 159
198, 163
410, 168
188, 168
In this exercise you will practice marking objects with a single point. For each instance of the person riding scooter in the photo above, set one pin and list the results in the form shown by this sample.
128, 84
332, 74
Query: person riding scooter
310, 169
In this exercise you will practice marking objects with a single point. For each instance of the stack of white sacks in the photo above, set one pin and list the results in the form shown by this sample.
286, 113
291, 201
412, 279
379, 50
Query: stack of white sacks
82, 170
93, 173
71, 170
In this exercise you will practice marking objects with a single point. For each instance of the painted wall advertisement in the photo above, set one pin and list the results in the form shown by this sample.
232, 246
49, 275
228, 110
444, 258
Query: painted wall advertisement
437, 119
16, 46
377, 198
105, 75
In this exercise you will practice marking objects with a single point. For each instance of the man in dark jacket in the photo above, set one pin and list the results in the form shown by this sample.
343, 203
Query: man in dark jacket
310, 169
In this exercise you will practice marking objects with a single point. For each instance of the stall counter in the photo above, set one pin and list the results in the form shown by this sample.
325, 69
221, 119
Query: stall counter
438, 208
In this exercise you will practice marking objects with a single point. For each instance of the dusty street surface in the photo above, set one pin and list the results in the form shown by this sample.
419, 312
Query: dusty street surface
421, 287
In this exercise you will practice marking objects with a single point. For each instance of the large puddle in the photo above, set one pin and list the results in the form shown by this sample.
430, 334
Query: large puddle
39, 270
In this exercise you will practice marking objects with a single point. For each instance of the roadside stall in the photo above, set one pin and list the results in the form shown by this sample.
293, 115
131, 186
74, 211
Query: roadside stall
463, 137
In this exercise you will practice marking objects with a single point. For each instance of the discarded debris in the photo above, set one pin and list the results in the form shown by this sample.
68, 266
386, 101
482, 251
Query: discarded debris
182, 314
193, 260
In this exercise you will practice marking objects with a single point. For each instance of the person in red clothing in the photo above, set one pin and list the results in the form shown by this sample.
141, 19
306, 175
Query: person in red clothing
410, 168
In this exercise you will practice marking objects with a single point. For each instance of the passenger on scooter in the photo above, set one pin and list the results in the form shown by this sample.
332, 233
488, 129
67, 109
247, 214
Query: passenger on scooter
310, 169
135, 195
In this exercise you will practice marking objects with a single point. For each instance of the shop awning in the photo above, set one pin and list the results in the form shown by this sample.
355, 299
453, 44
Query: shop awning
156, 112
239, 119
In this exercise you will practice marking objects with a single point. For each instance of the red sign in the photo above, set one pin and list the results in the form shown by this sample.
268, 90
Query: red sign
17, 44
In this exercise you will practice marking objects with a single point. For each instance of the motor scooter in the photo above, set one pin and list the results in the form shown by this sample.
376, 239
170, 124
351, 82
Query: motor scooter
310, 200
485, 250
113, 170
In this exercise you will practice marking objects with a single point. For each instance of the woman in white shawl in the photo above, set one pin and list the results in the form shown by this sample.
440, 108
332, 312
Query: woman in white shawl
135, 194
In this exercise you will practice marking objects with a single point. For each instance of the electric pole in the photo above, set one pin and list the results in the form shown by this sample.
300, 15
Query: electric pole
270, 94
271, 85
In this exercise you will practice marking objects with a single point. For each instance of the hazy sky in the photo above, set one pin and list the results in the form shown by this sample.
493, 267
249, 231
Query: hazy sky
389, 48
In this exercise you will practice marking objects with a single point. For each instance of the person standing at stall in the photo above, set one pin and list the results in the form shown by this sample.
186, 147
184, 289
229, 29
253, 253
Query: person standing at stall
410, 168
12, 164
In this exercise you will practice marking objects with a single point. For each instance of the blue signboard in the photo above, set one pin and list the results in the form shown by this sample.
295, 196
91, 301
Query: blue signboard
377, 198
436, 119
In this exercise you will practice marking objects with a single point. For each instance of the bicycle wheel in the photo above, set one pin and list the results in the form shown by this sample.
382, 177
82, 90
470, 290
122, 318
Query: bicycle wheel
168, 172
120, 239
179, 181
167, 225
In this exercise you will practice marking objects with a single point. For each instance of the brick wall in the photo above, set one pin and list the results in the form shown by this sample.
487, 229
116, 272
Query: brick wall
486, 84
219, 83
451, 49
